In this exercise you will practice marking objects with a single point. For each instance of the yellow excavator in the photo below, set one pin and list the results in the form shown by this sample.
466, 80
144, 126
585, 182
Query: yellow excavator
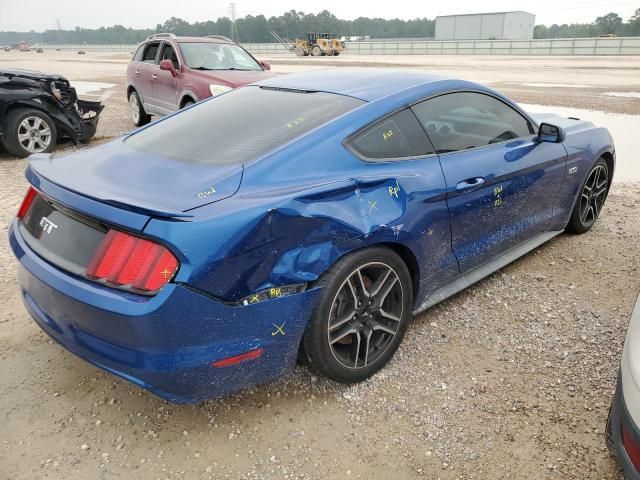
316, 44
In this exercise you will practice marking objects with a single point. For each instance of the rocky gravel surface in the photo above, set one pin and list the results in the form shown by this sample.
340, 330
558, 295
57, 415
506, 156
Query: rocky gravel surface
510, 379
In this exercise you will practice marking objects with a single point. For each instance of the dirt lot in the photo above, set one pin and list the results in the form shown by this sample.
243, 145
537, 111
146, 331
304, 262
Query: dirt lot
509, 379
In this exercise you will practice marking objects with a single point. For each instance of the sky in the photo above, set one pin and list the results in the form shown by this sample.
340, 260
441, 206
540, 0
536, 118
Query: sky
42, 14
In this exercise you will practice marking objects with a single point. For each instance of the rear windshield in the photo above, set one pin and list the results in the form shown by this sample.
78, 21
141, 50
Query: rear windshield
240, 125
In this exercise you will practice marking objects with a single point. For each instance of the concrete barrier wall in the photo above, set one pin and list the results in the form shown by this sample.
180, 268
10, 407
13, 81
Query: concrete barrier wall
556, 46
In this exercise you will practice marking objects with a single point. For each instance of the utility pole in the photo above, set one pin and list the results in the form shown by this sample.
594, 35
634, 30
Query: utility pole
59, 30
232, 13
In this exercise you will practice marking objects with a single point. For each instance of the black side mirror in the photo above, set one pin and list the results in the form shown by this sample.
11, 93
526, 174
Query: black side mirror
550, 133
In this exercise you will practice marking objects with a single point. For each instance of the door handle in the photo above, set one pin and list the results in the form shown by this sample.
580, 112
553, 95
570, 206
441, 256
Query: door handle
154, 76
469, 184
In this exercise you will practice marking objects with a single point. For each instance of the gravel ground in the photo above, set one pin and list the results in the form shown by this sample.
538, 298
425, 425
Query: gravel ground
510, 379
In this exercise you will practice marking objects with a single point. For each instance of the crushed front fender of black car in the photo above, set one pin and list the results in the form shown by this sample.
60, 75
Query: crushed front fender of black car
37, 110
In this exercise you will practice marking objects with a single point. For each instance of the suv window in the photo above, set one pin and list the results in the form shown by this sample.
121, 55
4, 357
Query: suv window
151, 52
217, 56
240, 125
397, 136
458, 121
168, 53
137, 57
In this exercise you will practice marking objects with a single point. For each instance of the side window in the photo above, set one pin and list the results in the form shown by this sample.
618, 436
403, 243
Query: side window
137, 57
151, 52
397, 136
168, 53
458, 121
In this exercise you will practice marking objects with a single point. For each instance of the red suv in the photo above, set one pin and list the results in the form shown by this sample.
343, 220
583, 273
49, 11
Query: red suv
168, 72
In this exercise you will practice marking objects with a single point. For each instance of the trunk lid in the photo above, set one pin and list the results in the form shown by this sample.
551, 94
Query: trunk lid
147, 183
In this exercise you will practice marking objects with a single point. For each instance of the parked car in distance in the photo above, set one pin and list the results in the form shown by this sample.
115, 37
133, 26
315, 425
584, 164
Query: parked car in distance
309, 215
168, 72
623, 424
38, 109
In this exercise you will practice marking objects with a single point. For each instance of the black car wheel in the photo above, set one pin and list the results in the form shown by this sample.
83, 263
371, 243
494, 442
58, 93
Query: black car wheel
29, 131
361, 317
592, 197
136, 110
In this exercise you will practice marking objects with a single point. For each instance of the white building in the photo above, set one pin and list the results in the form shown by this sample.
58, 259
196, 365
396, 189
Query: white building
486, 26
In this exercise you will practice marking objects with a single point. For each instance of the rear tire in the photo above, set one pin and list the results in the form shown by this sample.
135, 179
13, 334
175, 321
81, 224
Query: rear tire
361, 316
136, 111
591, 200
29, 131
316, 51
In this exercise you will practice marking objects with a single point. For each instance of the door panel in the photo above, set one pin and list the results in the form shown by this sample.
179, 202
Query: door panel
502, 184
512, 199
165, 84
146, 70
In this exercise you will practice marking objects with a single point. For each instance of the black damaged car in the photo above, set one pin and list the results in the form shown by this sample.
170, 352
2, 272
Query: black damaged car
38, 110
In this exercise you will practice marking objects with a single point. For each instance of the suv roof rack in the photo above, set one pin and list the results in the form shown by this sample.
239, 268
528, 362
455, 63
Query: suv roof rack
219, 37
161, 35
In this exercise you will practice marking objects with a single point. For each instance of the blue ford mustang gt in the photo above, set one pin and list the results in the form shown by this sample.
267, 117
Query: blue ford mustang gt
306, 216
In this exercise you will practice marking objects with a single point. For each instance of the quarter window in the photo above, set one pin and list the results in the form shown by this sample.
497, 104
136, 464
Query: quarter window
459, 121
151, 52
138, 55
397, 136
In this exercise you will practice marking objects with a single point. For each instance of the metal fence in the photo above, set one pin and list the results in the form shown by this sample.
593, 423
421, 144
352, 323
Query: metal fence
556, 46
65, 47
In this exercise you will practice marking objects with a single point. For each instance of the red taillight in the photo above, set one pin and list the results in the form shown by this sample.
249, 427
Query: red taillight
632, 448
243, 357
27, 201
122, 259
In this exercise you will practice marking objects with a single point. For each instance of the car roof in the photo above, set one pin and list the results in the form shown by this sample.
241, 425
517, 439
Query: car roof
368, 84
201, 40
157, 38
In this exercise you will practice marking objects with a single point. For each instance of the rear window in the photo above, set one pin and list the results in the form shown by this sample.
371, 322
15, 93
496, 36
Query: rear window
138, 55
240, 125
151, 52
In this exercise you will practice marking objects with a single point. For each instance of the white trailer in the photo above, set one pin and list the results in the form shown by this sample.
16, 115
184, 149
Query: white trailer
486, 26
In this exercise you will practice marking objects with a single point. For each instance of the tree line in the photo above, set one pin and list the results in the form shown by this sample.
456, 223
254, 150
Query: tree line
295, 24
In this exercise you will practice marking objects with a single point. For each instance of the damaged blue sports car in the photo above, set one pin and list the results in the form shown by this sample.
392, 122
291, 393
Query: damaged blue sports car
307, 216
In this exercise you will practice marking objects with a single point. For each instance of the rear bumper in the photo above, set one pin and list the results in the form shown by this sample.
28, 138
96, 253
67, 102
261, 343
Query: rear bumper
90, 114
619, 418
624, 414
164, 343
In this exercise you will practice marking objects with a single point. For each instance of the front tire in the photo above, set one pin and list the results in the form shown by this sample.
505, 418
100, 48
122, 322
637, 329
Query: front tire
591, 200
361, 317
316, 51
136, 111
29, 131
